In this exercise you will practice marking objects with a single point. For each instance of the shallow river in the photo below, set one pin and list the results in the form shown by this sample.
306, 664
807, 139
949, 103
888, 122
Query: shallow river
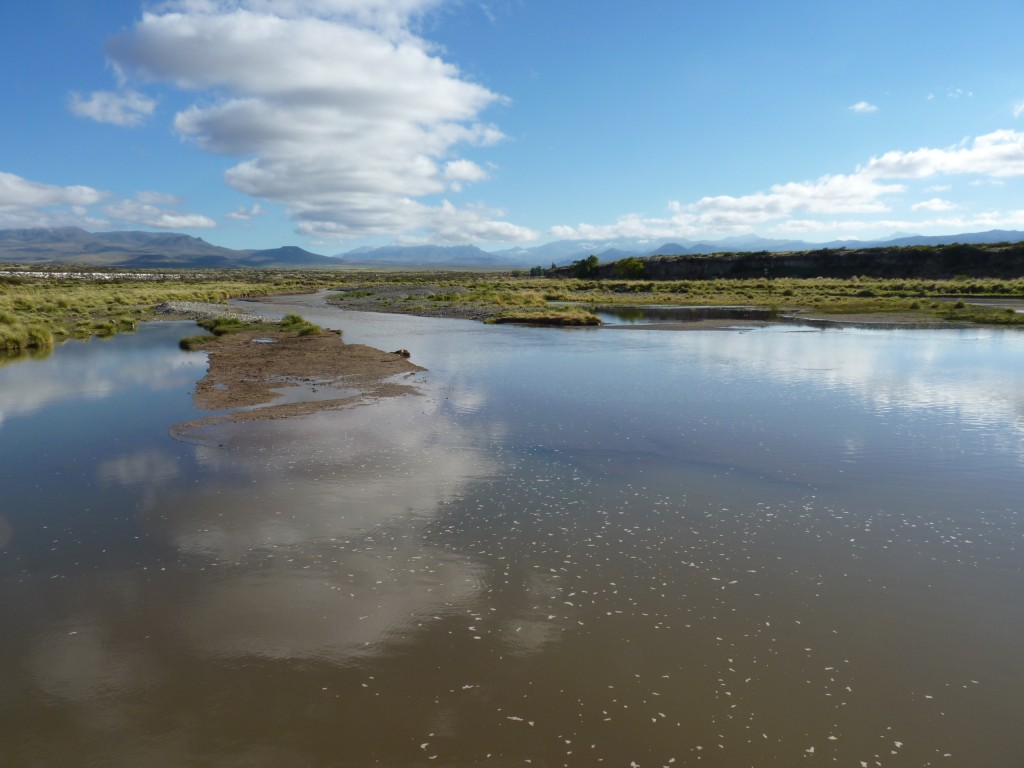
618, 546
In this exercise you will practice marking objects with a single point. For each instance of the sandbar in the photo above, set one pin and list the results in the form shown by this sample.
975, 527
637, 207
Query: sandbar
257, 375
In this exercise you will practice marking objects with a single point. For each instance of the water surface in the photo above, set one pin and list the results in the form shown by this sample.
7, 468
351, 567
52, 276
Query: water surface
576, 547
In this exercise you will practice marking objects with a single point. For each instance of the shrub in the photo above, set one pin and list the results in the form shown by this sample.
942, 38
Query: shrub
630, 268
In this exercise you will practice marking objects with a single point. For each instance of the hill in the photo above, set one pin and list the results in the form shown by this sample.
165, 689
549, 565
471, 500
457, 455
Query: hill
166, 250
427, 257
139, 250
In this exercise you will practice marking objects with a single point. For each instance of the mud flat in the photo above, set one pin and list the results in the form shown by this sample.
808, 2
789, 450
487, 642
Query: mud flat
262, 375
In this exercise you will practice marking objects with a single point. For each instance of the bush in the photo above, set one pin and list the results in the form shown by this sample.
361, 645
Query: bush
630, 268
298, 324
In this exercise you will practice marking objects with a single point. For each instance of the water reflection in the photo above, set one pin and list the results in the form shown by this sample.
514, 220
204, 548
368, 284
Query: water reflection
960, 372
36, 353
97, 369
658, 315
322, 521
573, 549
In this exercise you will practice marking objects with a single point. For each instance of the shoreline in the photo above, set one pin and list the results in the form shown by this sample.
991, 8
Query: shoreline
406, 300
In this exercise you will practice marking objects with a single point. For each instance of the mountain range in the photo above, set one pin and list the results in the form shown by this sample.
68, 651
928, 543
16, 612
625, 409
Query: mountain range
71, 245
138, 250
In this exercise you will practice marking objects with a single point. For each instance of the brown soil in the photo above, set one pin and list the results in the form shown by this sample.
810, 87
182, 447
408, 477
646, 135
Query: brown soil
248, 370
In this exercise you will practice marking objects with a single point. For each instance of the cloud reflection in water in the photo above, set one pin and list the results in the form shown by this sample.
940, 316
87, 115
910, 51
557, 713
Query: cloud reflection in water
320, 523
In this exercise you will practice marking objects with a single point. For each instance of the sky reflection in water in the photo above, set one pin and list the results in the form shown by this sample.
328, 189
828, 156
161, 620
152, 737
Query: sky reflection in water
576, 547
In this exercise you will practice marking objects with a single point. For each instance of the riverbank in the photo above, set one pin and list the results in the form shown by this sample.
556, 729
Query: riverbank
37, 313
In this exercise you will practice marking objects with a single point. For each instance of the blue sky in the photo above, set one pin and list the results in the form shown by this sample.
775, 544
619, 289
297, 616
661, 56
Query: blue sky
333, 124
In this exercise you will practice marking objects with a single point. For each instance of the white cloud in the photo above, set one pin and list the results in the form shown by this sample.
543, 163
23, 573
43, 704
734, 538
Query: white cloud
935, 204
863, 106
146, 209
791, 206
128, 108
338, 111
999, 154
459, 171
726, 214
1018, 109
443, 224
157, 198
18, 192
245, 214
25, 203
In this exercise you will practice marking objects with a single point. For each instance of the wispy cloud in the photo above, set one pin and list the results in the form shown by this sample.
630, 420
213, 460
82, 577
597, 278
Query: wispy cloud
150, 209
127, 108
863, 107
352, 123
245, 214
1018, 109
870, 189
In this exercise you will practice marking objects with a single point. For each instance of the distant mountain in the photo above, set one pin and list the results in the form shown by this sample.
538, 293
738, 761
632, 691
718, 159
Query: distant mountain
287, 256
426, 257
566, 251
973, 238
71, 245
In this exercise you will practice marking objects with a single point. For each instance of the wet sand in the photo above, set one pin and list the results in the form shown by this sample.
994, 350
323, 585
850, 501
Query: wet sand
281, 375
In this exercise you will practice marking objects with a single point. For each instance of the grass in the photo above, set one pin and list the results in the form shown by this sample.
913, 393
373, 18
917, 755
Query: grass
222, 326
511, 298
36, 313
562, 316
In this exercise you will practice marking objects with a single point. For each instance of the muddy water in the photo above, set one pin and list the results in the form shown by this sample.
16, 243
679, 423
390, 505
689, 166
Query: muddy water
587, 547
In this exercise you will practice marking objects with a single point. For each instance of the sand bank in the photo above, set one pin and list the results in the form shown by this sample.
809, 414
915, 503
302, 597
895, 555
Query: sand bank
262, 375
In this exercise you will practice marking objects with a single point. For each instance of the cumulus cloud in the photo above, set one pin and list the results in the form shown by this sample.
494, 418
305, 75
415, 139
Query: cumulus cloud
458, 171
998, 154
149, 209
128, 108
863, 106
726, 214
338, 110
26, 203
870, 189
16, 191
935, 204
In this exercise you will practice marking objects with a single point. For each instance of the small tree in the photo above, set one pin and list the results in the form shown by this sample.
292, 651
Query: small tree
584, 267
630, 268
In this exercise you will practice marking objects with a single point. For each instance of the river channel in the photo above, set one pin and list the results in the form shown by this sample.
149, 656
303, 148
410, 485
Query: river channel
751, 546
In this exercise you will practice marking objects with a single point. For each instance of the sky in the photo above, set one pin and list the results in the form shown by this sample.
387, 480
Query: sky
336, 124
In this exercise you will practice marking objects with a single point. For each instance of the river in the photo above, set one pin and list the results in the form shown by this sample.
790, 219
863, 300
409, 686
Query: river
766, 546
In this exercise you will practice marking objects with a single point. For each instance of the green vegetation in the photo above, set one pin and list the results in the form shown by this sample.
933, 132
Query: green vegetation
37, 312
630, 268
221, 326
496, 297
563, 316
298, 325
584, 267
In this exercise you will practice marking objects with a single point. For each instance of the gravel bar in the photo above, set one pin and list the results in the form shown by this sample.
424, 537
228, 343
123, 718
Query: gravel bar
201, 310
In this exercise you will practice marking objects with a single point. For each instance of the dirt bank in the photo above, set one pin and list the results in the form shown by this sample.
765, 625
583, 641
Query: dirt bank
279, 375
